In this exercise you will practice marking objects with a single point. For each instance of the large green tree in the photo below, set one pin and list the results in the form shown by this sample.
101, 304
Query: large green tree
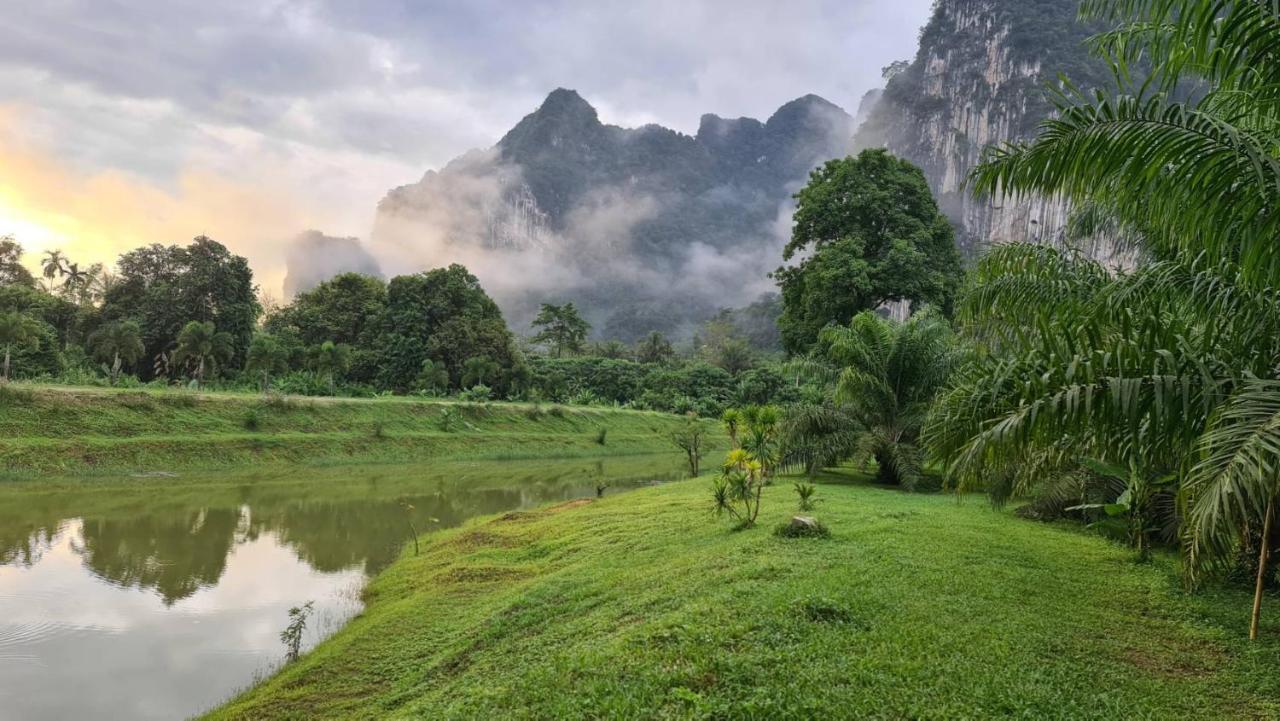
347, 309
443, 315
561, 328
165, 287
12, 271
869, 233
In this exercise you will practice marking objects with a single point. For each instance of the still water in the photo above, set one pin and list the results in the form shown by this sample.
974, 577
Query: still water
159, 598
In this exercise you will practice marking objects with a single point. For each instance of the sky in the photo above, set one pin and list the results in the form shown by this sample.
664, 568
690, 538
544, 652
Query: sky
127, 122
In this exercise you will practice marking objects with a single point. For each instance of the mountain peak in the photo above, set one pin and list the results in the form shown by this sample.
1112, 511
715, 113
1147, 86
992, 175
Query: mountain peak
565, 102
808, 104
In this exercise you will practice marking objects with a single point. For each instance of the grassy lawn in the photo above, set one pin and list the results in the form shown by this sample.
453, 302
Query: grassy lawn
918, 606
50, 430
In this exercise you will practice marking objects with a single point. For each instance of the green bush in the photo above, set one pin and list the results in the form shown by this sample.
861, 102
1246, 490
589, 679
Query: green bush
789, 530
476, 394
252, 420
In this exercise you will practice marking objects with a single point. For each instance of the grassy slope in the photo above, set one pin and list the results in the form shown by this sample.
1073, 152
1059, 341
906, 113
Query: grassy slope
45, 430
917, 607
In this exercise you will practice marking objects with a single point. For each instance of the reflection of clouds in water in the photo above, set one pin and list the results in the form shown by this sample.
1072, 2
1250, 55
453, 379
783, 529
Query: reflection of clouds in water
127, 651
161, 605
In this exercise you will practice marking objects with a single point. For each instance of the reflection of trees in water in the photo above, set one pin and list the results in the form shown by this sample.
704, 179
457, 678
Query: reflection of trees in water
177, 548
176, 555
23, 544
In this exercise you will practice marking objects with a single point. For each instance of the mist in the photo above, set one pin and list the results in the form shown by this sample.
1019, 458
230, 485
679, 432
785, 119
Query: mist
689, 224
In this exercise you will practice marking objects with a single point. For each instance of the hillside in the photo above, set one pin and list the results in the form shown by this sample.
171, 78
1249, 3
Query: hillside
46, 430
566, 207
643, 606
979, 77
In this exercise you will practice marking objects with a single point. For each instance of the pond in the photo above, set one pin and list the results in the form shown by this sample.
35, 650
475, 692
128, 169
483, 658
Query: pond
160, 598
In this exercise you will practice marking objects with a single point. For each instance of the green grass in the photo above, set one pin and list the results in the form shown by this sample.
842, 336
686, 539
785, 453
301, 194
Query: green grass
917, 606
46, 430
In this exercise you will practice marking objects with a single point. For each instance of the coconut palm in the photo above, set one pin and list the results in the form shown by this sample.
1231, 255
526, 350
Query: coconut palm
202, 345
1170, 369
266, 357
330, 360
53, 265
16, 331
118, 343
75, 281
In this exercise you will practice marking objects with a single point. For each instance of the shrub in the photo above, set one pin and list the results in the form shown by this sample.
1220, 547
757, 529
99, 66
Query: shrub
738, 488
278, 402
291, 637
252, 420
10, 396
824, 610
476, 394
449, 419
689, 438
791, 529
806, 492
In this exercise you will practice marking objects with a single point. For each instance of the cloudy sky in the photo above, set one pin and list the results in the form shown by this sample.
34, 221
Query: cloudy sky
125, 122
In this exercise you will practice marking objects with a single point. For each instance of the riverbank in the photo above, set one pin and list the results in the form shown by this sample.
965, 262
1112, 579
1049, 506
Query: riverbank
72, 431
644, 606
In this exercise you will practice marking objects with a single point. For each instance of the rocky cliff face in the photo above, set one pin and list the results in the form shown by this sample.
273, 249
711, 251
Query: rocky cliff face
648, 228
979, 78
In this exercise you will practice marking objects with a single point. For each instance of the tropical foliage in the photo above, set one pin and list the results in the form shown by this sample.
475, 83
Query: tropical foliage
870, 233
1166, 373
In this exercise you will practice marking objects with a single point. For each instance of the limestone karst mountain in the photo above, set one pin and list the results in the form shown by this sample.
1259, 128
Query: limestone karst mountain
980, 77
648, 228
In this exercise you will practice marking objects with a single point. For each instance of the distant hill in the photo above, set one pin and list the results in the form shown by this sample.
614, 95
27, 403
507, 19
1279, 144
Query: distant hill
646, 228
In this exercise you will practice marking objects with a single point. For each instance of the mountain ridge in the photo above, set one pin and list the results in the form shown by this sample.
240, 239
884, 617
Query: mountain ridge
618, 219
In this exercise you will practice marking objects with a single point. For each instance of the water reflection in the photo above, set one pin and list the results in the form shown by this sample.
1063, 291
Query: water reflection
157, 600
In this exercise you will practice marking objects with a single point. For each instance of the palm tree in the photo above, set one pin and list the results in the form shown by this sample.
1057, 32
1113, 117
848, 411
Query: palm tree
654, 348
475, 371
888, 375
118, 343
75, 281
203, 345
330, 359
266, 357
16, 331
1171, 369
53, 265
433, 376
